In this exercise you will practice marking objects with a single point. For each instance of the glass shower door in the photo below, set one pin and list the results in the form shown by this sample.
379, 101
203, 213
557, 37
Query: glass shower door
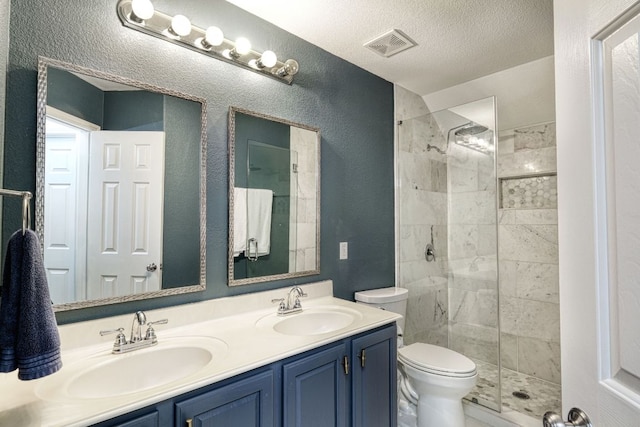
448, 199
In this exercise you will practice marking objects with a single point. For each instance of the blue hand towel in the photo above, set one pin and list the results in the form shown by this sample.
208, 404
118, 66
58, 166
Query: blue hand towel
29, 338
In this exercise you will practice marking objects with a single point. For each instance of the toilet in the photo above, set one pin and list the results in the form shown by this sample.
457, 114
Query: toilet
435, 378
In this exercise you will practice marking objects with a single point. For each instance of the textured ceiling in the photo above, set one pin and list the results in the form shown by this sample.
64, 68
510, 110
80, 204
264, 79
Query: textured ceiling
458, 40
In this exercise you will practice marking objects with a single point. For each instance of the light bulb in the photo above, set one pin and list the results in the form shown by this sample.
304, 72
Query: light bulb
213, 37
268, 59
141, 10
180, 26
290, 68
243, 46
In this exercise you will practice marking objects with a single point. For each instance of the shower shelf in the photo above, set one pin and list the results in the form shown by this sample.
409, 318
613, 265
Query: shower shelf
529, 192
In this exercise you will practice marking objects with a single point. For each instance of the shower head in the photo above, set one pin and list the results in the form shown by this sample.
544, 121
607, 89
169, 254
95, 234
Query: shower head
470, 130
467, 135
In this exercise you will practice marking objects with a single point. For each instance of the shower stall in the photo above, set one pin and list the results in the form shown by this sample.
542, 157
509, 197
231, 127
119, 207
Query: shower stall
448, 209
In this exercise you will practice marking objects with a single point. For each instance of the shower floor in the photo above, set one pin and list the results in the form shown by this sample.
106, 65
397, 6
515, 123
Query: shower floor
543, 395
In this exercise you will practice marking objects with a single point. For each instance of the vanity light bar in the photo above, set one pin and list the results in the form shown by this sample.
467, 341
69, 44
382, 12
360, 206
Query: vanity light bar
140, 15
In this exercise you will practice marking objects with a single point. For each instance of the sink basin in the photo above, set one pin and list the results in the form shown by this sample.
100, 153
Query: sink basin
311, 321
107, 375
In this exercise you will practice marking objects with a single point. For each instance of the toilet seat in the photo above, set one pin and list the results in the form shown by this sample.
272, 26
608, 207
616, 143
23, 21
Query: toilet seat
436, 360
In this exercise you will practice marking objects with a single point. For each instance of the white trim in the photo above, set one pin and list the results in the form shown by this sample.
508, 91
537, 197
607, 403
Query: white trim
71, 119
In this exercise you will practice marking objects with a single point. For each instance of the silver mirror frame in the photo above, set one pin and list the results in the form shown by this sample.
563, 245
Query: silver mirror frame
43, 63
232, 144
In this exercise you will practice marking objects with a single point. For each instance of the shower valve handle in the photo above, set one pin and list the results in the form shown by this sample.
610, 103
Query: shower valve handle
430, 253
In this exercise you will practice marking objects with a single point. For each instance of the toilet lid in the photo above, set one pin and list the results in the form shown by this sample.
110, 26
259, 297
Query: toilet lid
435, 359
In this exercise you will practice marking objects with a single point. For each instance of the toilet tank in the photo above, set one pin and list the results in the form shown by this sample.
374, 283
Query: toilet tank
392, 299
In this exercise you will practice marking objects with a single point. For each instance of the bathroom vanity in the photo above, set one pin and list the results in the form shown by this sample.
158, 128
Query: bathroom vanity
231, 361
350, 382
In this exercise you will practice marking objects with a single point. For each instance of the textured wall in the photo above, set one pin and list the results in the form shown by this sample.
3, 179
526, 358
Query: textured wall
353, 109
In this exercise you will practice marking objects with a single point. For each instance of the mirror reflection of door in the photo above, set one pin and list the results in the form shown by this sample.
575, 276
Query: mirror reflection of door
124, 239
103, 210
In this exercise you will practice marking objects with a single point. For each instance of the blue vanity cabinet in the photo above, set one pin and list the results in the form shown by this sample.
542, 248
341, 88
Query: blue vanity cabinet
347, 383
315, 389
248, 402
374, 390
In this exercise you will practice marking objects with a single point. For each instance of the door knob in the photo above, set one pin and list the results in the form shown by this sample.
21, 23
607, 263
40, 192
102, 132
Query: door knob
152, 267
576, 418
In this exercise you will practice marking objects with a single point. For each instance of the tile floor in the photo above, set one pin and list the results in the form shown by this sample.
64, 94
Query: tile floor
543, 395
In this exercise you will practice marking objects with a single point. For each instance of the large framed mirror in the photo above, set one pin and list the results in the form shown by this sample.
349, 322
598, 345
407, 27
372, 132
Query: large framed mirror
121, 188
274, 198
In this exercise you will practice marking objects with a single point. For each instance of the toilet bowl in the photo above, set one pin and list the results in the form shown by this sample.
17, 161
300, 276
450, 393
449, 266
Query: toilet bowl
437, 376
441, 378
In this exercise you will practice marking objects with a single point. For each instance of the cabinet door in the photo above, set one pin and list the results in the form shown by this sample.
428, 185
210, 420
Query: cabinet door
245, 403
315, 390
374, 389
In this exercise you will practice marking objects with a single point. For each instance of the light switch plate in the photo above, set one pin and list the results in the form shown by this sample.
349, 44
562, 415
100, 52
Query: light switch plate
344, 250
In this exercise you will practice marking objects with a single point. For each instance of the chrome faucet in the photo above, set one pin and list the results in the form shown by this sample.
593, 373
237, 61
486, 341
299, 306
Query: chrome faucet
139, 320
290, 304
137, 341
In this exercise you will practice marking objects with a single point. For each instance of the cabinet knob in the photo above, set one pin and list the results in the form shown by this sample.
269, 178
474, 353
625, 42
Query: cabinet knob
190, 422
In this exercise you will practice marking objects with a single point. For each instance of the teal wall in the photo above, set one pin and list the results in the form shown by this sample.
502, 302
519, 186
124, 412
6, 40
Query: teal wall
352, 108
75, 96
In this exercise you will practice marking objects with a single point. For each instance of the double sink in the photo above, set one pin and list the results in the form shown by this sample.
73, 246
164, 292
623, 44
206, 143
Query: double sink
177, 360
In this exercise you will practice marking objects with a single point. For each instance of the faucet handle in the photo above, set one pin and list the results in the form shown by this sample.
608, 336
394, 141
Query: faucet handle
297, 303
151, 333
120, 338
282, 306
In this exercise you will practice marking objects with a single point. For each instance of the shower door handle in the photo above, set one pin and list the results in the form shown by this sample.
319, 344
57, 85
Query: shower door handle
576, 418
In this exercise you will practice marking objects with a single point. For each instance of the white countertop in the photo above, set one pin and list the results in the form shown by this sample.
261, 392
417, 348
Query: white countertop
231, 322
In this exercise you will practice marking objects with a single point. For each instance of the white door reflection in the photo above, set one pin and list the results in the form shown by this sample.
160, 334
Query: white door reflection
103, 211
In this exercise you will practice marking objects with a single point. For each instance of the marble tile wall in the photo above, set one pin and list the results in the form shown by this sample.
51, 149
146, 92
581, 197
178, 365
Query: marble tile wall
529, 150
528, 251
302, 243
422, 199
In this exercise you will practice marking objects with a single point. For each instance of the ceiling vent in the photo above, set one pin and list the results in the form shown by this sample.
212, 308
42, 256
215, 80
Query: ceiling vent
390, 43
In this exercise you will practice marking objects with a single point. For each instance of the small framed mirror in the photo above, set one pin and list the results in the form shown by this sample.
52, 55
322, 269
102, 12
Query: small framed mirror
120, 197
274, 198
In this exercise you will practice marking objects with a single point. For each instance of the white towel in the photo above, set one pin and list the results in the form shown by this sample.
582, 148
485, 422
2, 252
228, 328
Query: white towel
259, 204
239, 221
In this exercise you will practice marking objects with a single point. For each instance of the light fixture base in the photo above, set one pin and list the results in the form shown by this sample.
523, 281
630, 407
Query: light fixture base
158, 24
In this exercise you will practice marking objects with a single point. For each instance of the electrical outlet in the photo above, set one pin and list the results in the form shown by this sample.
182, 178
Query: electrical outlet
344, 250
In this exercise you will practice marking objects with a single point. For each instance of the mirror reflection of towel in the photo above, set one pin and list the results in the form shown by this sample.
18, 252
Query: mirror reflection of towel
259, 203
239, 221
252, 220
